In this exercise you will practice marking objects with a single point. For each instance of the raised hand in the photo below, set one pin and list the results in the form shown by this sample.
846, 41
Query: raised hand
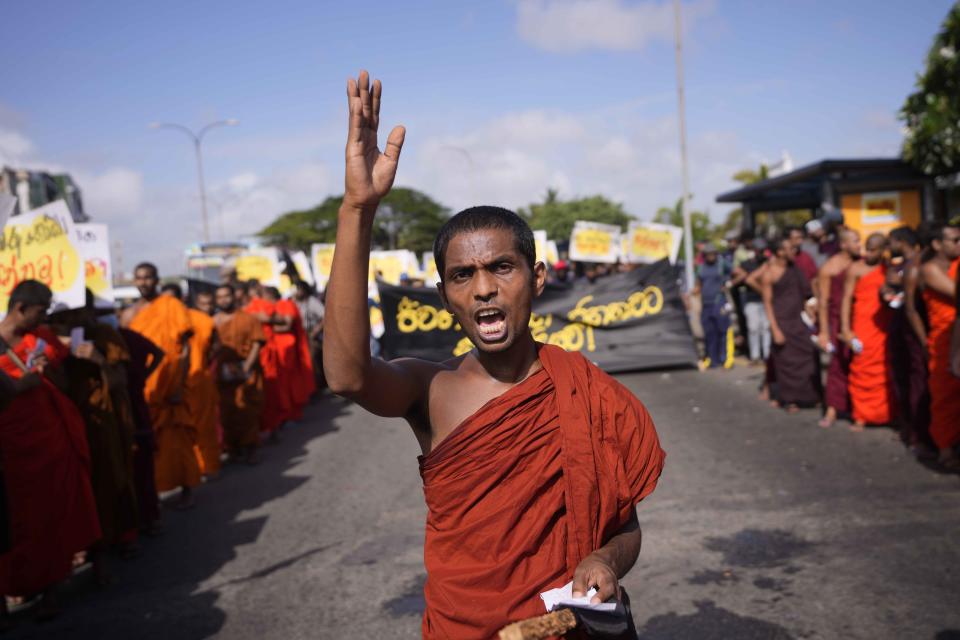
369, 173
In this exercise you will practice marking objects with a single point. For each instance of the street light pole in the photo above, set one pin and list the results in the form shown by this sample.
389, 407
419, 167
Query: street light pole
681, 108
197, 139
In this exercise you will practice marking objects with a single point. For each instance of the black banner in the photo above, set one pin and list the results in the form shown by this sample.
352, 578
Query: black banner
624, 322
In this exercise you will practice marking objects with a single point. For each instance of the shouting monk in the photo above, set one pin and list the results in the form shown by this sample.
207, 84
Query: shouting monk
939, 276
44, 456
832, 276
533, 459
164, 321
864, 320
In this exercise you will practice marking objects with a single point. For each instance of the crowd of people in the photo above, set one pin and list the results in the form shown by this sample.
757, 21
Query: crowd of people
877, 314
103, 413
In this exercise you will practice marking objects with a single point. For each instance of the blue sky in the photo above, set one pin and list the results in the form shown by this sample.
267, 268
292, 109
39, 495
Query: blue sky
502, 99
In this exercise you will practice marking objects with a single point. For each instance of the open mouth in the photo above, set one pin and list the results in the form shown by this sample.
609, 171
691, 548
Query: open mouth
492, 324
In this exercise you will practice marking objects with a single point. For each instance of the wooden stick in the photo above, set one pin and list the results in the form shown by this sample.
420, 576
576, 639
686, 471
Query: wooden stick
556, 623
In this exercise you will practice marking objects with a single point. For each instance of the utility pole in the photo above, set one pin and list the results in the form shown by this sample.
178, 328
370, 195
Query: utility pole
681, 116
197, 139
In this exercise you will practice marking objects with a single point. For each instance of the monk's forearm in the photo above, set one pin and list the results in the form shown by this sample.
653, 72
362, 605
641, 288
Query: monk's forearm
346, 335
623, 549
823, 310
252, 358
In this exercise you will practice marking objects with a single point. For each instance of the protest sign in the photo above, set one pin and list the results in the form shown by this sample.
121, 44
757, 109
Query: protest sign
594, 242
322, 258
649, 242
393, 266
302, 265
260, 264
39, 245
429, 269
627, 321
93, 241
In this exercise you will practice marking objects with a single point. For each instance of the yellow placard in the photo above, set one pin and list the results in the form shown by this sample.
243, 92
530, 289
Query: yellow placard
390, 266
38, 246
651, 244
322, 256
254, 266
594, 242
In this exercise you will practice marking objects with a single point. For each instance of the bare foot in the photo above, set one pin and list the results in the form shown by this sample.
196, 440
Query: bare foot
792, 408
764, 392
858, 426
828, 418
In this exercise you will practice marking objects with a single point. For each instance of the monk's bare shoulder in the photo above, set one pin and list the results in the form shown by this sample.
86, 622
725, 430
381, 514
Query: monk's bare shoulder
835, 265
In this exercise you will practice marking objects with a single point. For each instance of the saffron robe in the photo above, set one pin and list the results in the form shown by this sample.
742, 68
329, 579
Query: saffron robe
201, 393
109, 420
276, 399
46, 467
165, 321
944, 387
837, 394
871, 384
524, 489
241, 401
295, 360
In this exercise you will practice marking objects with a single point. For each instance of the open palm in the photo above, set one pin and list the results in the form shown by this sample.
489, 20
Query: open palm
369, 173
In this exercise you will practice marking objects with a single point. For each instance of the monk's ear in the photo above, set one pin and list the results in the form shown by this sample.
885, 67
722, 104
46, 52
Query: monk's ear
539, 278
443, 297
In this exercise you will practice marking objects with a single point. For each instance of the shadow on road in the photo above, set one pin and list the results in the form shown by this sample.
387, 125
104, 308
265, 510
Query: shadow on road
157, 594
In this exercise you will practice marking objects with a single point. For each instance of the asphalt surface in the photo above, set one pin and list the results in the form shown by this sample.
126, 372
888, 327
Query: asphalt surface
764, 526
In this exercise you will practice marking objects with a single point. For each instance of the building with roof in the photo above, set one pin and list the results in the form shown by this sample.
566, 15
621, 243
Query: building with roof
873, 194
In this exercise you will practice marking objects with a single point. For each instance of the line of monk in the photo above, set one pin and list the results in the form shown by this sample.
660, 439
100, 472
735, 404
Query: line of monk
101, 415
886, 313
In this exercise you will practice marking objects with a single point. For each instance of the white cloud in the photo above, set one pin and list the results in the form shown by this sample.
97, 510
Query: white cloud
564, 26
13, 147
623, 157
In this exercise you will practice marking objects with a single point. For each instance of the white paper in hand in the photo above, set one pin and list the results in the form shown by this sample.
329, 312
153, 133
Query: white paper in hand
563, 597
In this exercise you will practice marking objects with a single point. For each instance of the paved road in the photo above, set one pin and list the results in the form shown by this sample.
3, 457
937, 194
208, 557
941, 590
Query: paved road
764, 526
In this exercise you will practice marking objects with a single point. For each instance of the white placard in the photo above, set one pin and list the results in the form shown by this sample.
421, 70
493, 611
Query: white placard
93, 241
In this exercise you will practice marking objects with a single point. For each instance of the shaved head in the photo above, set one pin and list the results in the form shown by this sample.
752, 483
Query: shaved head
876, 240
873, 252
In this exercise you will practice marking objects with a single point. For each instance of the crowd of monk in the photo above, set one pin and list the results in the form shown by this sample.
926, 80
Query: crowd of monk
882, 310
102, 416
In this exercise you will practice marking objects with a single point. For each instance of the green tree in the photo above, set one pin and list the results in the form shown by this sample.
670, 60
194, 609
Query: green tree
406, 219
557, 216
932, 113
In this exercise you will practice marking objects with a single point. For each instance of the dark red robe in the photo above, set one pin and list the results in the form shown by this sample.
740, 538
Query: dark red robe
525, 488
46, 465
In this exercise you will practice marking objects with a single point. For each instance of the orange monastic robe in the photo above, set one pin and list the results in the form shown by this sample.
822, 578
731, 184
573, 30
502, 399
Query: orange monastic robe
241, 401
202, 392
944, 387
276, 402
295, 362
524, 489
870, 381
46, 470
164, 321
